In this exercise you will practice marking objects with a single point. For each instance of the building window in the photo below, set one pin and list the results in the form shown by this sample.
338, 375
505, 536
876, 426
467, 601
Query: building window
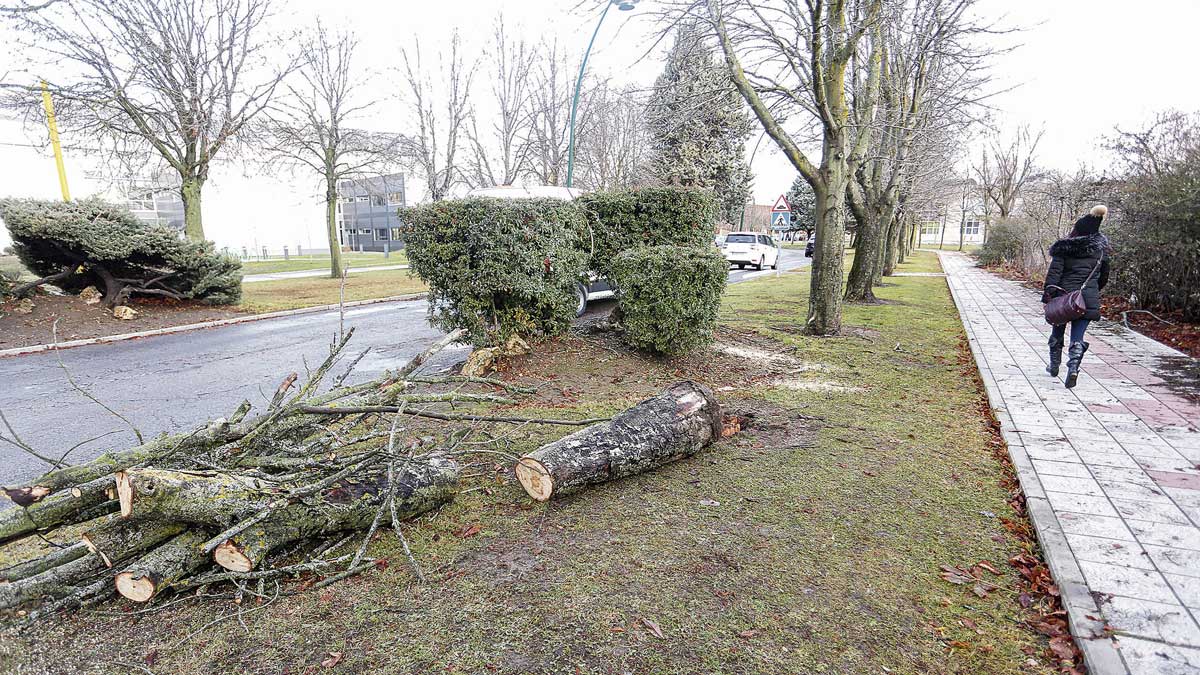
362, 199
381, 235
142, 202
931, 228
378, 200
396, 234
365, 230
396, 198
972, 227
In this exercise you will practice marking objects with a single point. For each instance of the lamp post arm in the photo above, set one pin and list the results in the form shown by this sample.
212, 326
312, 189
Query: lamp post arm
575, 101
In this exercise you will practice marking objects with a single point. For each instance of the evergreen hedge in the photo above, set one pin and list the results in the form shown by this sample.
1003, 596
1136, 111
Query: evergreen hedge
650, 216
113, 250
670, 296
498, 267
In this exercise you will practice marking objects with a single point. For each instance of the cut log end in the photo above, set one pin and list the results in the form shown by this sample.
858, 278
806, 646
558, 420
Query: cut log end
229, 556
125, 493
535, 478
25, 496
136, 587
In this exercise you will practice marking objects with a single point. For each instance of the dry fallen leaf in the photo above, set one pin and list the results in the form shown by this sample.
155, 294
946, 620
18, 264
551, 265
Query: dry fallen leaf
334, 659
1063, 647
653, 628
709, 502
748, 633
955, 575
469, 531
988, 566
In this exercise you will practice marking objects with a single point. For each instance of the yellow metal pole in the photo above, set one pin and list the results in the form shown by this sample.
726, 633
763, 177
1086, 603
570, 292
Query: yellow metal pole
58, 156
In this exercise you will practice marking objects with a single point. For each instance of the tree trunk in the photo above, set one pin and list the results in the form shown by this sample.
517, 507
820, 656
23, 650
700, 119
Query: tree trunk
861, 280
675, 424
189, 191
331, 228
825, 287
891, 252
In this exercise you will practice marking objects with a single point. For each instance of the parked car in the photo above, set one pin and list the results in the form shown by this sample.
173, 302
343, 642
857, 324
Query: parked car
808, 248
751, 248
597, 287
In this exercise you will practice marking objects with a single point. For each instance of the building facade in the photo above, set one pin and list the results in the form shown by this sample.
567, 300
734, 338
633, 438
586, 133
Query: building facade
957, 216
367, 213
156, 205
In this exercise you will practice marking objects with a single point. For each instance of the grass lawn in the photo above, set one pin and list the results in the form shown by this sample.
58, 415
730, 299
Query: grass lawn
314, 262
812, 542
272, 296
11, 266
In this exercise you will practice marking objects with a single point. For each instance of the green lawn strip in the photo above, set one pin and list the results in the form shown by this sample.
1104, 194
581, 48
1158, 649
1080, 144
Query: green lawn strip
316, 262
823, 554
272, 296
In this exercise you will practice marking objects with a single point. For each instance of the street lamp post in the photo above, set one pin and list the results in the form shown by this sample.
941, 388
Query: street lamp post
624, 6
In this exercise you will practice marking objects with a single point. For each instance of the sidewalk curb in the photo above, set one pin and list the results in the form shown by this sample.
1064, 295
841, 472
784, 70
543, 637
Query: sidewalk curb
35, 349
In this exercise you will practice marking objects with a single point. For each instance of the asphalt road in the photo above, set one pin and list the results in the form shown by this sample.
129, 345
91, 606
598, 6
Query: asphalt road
170, 383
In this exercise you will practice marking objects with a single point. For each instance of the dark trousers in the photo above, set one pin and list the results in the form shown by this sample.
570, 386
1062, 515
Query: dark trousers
1078, 326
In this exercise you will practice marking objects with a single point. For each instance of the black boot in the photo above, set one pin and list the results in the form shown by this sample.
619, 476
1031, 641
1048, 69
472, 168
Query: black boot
1056, 345
1074, 357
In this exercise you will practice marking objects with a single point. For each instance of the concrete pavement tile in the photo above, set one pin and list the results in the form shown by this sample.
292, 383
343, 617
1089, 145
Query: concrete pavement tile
1160, 450
1053, 468
1187, 587
1123, 474
1095, 526
1107, 459
1156, 512
1174, 561
1115, 489
1079, 486
1165, 534
1111, 551
1080, 503
1169, 464
1176, 480
1169, 622
1130, 582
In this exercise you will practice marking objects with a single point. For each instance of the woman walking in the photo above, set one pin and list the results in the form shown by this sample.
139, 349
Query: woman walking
1080, 263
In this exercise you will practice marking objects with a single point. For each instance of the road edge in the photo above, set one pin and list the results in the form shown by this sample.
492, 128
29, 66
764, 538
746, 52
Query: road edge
35, 349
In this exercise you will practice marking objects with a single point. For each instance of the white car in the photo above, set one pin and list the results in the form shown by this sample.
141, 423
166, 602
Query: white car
751, 248
597, 287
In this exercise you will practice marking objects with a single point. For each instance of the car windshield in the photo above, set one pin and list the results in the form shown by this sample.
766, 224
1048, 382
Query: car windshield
739, 239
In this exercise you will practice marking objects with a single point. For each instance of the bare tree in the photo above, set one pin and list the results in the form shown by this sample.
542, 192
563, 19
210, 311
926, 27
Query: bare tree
793, 56
441, 113
179, 78
932, 69
613, 139
1011, 164
311, 125
501, 154
550, 115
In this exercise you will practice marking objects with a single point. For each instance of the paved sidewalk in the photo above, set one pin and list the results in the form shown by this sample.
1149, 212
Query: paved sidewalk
324, 271
1110, 469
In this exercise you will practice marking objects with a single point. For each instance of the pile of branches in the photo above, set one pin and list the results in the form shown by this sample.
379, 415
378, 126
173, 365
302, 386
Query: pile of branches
254, 498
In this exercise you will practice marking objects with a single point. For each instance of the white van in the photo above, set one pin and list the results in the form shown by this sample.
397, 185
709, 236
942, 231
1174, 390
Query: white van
751, 248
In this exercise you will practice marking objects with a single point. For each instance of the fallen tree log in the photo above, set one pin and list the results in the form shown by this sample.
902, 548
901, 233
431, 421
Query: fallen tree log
675, 424
49, 510
420, 486
159, 569
113, 540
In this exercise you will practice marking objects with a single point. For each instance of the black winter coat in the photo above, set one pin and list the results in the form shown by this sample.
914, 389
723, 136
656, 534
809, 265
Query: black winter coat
1074, 259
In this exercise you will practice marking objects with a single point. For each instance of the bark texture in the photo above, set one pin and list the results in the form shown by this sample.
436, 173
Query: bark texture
158, 569
675, 424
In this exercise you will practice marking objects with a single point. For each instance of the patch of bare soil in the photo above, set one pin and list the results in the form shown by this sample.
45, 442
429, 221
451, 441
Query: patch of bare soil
78, 320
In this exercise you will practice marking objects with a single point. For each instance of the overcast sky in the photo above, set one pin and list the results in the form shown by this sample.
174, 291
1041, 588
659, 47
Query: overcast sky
1080, 68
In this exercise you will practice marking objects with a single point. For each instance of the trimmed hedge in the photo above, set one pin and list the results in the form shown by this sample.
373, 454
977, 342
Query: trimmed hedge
498, 267
117, 252
670, 296
650, 216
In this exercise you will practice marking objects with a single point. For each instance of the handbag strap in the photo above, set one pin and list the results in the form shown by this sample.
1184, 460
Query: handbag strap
1089, 276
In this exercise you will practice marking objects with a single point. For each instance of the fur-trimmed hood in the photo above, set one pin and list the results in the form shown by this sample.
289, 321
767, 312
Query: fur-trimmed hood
1085, 246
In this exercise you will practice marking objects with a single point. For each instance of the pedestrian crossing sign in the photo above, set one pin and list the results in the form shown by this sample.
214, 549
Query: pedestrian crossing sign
781, 219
